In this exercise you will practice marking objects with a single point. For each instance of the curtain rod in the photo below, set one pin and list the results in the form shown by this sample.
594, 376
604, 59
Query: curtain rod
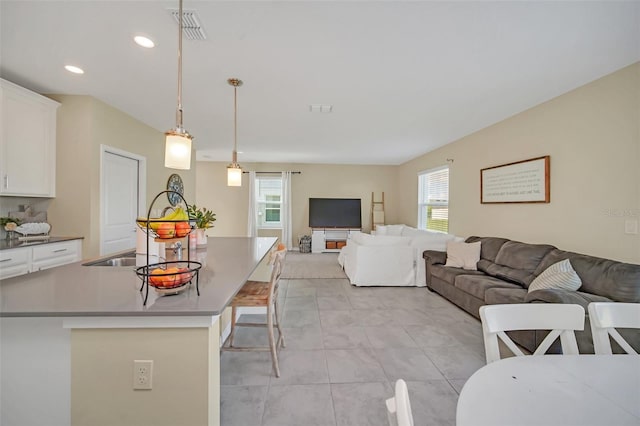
293, 173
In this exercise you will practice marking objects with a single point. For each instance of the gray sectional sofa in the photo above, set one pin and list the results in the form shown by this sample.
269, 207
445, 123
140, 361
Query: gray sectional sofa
505, 270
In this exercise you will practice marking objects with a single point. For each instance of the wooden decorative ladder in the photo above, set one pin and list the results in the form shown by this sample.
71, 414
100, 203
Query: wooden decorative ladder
377, 211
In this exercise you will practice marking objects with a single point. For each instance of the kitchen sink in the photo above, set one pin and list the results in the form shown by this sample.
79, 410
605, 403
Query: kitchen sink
128, 259
118, 261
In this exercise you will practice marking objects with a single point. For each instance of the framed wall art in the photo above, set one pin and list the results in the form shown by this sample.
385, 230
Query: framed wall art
524, 181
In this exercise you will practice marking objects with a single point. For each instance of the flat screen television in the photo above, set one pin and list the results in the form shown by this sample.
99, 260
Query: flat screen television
335, 213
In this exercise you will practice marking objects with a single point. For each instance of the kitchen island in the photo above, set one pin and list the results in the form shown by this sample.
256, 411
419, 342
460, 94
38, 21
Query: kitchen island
70, 336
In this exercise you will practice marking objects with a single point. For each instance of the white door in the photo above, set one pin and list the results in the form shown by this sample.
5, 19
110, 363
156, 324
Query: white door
120, 195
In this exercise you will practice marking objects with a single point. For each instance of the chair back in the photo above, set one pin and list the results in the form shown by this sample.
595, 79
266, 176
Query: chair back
605, 317
562, 319
399, 406
277, 257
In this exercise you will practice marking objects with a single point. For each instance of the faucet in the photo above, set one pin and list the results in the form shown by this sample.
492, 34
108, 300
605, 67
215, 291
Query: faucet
177, 250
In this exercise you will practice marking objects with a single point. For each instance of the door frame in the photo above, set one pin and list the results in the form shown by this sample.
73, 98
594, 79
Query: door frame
142, 183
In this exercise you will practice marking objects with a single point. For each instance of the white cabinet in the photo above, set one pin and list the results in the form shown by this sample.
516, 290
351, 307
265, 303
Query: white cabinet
330, 239
27, 142
14, 262
22, 260
51, 255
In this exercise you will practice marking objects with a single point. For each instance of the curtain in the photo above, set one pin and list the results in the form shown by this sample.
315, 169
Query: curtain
286, 210
252, 222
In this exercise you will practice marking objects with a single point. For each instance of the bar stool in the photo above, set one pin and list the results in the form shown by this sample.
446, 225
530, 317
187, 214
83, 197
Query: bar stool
261, 293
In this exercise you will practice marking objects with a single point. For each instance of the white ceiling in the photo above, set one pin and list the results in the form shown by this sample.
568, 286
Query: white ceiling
403, 77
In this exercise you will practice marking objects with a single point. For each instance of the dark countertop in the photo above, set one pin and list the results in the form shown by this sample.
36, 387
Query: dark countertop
77, 290
10, 244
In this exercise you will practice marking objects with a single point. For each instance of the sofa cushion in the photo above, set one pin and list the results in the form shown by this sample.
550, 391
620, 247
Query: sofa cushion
449, 274
559, 275
617, 281
497, 295
432, 241
392, 230
506, 273
379, 240
517, 255
476, 285
490, 246
463, 255
554, 295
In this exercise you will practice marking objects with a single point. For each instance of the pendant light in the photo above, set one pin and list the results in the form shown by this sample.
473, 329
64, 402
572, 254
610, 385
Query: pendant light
234, 171
177, 154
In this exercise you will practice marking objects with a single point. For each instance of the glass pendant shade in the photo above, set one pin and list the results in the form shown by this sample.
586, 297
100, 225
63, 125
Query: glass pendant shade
177, 154
177, 150
234, 175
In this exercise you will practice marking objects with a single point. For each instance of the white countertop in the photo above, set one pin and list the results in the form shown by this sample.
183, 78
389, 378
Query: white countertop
77, 290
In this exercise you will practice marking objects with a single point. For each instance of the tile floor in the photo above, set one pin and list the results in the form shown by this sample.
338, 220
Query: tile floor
346, 346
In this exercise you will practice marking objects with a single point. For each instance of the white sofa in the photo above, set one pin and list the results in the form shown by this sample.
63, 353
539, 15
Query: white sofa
391, 257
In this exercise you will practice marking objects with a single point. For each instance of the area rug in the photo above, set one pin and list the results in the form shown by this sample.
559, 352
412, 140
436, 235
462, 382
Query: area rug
312, 265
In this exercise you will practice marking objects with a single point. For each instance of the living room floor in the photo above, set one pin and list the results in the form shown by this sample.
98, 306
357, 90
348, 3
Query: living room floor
345, 348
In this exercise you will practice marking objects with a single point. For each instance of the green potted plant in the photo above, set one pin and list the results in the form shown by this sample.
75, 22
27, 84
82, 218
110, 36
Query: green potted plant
204, 219
9, 224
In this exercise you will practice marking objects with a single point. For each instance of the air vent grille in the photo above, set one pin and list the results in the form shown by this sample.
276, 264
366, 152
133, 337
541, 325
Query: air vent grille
191, 27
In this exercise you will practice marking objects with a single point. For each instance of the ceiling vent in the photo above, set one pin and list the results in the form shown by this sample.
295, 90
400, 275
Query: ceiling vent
191, 27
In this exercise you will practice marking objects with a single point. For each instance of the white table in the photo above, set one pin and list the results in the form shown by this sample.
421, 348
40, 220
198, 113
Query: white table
553, 390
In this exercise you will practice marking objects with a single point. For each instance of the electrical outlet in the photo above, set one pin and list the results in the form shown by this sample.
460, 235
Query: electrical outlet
142, 374
630, 226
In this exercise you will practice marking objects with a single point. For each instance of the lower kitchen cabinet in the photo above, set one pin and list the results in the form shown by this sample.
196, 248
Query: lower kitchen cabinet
14, 262
55, 254
22, 260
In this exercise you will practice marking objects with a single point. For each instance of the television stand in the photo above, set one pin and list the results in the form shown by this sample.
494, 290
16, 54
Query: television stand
331, 240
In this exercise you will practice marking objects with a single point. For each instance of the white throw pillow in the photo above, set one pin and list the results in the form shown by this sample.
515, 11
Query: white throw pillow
560, 275
463, 255
380, 230
395, 230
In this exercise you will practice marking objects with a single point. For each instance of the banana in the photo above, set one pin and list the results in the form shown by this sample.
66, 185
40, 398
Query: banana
177, 214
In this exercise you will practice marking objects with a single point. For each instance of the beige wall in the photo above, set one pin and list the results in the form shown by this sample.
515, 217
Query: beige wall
593, 137
84, 123
185, 380
316, 180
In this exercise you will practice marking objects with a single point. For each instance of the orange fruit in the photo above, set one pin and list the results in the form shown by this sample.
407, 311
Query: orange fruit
156, 278
182, 229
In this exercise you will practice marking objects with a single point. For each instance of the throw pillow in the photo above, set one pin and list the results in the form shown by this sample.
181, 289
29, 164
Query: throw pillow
381, 230
463, 255
560, 275
395, 230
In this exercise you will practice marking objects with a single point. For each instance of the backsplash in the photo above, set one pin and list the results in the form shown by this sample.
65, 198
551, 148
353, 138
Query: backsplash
16, 204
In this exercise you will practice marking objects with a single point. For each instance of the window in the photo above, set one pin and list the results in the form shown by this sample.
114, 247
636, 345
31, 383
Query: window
269, 201
433, 199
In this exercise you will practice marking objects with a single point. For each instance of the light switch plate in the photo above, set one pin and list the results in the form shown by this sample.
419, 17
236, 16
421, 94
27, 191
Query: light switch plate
631, 226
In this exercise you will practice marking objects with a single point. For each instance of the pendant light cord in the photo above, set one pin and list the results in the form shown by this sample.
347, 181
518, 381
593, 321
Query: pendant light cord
235, 124
235, 83
179, 109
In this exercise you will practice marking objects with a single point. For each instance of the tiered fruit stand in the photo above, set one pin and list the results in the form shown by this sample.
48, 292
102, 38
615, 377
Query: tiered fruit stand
170, 277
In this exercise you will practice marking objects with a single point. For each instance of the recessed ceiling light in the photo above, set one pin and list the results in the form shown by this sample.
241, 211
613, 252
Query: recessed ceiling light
144, 41
74, 69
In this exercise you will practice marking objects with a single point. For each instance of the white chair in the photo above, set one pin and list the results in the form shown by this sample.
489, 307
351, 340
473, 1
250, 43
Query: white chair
605, 317
561, 319
399, 406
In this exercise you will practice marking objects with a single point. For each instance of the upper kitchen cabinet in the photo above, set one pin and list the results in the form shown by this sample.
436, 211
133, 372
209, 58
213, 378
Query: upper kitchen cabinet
27, 142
